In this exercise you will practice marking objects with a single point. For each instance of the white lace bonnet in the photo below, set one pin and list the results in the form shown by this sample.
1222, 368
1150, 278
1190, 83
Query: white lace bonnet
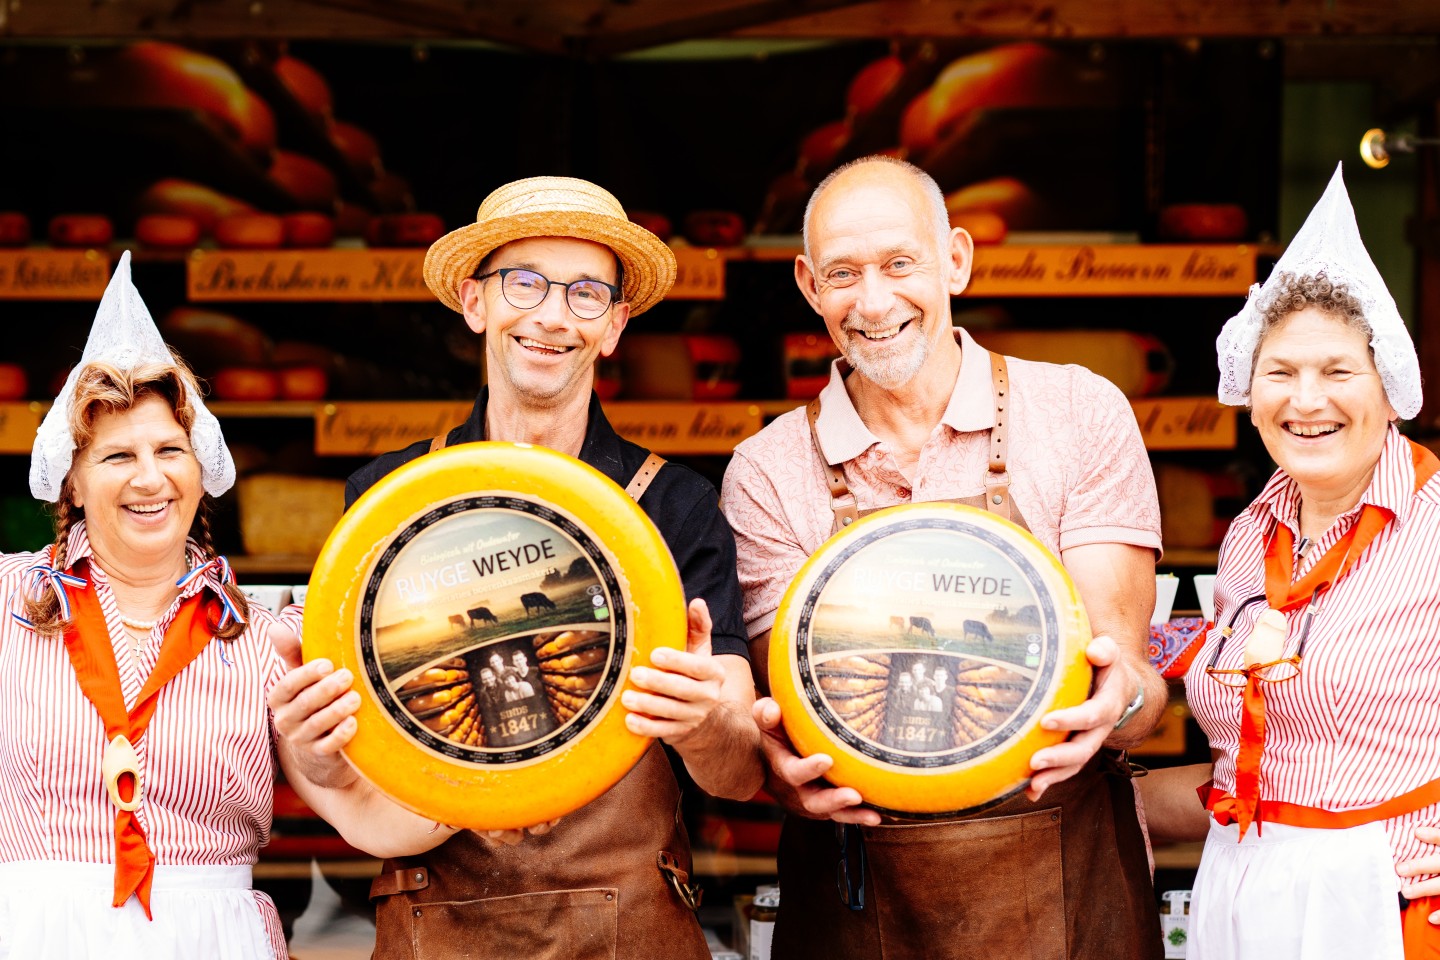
124, 336
1329, 243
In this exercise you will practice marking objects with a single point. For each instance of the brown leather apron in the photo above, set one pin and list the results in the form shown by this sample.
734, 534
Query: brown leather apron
609, 882
1067, 877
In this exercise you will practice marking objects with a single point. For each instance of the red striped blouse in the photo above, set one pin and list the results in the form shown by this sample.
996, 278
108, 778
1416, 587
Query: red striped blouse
207, 759
1361, 723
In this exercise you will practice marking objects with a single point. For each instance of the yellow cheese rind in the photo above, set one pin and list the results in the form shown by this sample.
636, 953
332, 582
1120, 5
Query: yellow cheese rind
854, 695
492, 796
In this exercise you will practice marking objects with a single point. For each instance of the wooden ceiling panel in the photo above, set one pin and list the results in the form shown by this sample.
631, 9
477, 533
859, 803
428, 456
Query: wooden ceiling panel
1060, 19
598, 28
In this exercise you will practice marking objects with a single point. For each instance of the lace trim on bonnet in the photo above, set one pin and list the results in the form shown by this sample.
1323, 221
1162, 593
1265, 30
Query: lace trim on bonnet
1328, 243
124, 336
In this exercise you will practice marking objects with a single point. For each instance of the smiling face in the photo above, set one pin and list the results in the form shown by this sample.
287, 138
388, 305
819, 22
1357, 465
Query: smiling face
1319, 404
139, 484
546, 354
881, 271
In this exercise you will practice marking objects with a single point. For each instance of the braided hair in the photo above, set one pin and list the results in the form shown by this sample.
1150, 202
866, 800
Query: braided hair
103, 388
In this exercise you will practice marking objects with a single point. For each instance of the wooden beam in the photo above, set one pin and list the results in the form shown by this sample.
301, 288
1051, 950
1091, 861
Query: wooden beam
1080, 19
677, 23
521, 28
190, 20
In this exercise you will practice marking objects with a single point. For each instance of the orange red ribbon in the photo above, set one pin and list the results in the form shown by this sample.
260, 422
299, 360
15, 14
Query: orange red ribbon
87, 641
1285, 595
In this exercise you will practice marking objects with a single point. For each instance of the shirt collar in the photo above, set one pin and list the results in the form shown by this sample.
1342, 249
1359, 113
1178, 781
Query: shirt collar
843, 435
601, 448
1392, 487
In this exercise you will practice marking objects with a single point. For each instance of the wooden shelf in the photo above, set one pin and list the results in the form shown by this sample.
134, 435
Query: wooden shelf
708, 863
265, 409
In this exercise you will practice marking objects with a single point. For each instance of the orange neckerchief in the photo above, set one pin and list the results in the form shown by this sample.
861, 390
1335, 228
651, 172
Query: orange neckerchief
1283, 595
87, 641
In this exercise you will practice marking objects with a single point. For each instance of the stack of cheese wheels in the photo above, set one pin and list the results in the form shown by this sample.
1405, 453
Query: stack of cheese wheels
919, 647
490, 599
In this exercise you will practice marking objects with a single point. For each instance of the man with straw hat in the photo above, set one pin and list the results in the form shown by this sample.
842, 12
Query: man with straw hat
550, 273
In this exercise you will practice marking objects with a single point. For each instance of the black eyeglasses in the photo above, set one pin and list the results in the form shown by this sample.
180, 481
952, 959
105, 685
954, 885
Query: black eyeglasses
526, 290
1273, 671
850, 869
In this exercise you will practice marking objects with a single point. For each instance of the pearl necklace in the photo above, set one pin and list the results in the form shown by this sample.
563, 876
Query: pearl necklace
146, 625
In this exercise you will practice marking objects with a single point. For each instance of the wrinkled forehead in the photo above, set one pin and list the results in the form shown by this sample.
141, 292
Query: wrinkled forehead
862, 209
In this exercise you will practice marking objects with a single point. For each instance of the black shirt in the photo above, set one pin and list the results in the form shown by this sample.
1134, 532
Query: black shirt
682, 504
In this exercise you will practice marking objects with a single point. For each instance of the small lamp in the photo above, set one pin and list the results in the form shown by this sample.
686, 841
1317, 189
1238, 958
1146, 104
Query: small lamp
1376, 147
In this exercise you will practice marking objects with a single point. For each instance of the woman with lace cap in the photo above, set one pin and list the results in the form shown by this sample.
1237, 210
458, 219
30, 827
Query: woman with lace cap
136, 759
1317, 689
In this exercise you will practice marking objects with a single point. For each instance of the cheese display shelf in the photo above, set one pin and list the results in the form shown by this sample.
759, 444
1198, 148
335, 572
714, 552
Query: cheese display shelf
671, 428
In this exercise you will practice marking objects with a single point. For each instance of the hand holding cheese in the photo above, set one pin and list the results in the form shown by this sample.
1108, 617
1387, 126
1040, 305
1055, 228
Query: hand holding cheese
680, 690
698, 703
314, 711
1091, 722
796, 782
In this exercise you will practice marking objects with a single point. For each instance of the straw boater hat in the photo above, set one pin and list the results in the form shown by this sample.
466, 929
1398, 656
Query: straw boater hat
553, 207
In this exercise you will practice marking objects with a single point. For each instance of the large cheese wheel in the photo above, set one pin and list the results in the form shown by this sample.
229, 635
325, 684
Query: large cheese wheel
156, 74
250, 231
1011, 75
919, 648
306, 84
308, 181
491, 598
14, 229
80, 230
189, 199
873, 84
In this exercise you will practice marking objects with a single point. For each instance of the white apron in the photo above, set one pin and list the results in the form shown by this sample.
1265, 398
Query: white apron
59, 910
1296, 893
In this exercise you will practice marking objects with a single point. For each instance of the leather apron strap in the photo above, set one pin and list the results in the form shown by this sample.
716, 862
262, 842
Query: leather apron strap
997, 477
641, 481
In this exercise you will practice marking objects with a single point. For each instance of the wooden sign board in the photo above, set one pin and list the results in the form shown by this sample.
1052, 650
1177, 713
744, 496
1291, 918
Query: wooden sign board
372, 428
1185, 423
681, 428
53, 274
18, 423
353, 275
1112, 270
699, 274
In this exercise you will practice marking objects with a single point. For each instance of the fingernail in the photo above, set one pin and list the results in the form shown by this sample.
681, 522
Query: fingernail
628, 699
343, 675
1040, 764
324, 666
1049, 724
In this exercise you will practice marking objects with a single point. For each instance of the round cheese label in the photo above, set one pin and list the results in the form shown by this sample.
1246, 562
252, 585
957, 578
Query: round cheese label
493, 629
491, 599
920, 648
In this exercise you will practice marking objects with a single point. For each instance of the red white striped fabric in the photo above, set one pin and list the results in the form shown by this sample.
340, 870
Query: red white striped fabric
207, 759
1359, 725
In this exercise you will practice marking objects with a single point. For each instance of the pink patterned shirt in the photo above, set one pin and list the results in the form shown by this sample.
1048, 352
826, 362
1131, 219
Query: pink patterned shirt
1078, 470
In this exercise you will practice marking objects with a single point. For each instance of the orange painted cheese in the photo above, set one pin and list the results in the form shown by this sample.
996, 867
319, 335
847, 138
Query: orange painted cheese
490, 599
919, 648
